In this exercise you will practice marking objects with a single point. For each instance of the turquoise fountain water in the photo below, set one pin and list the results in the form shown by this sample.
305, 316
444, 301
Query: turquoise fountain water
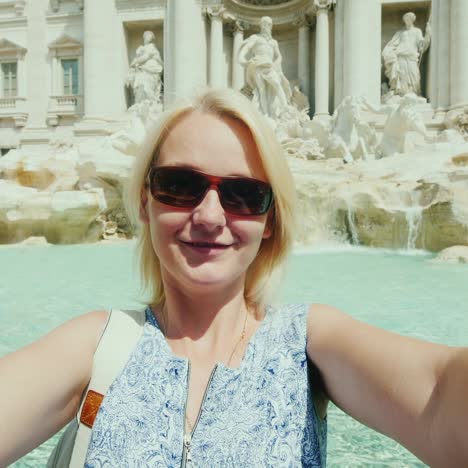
404, 292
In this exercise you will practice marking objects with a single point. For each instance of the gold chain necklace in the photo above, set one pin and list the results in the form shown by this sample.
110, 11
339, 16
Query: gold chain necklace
238, 342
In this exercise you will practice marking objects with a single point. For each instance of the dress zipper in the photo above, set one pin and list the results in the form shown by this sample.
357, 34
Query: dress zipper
187, 451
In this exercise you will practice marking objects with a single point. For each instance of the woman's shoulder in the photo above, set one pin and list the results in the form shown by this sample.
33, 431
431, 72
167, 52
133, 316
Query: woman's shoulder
288, 319
287, 311
88, 327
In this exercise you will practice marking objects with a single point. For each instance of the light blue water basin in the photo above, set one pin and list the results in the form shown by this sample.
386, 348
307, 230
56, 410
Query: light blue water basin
43, 286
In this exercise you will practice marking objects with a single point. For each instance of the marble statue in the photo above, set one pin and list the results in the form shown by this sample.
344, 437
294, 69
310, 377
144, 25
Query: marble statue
402, 57
402, 118
461, 122
351, 135
144, 76
259, 54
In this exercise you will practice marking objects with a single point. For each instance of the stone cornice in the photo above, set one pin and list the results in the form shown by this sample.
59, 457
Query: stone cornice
132, 5
63, 17
14, 21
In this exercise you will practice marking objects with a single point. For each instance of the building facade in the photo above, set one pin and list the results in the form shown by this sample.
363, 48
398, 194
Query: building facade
64, 63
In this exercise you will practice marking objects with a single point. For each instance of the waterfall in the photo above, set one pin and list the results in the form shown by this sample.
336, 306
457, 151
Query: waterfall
351, 223
413, 216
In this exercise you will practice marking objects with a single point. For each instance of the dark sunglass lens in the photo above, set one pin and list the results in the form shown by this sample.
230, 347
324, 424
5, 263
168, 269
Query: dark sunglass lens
177, 187
246, 197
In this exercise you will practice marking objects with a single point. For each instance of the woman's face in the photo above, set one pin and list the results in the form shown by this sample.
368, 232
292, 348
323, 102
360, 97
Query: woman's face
218, 146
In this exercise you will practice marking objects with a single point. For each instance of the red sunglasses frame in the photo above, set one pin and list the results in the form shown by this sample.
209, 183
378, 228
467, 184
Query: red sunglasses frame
214, 182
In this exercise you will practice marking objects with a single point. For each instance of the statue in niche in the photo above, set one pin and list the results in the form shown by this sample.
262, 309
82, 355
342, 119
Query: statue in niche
259, 54
144, 76
402, 57
402, 119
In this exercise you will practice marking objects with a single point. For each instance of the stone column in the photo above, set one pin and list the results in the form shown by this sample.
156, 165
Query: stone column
238, 75
184, 49
53, 71
458, 53
216, 45
21, 75
103, 93
322, 61
439, 53
361, 51
36, 68
303, 64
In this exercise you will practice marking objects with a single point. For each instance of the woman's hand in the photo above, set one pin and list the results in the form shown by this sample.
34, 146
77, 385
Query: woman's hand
408, 389
41, 385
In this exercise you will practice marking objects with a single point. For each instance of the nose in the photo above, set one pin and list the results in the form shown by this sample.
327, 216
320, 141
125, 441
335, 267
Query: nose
209, 212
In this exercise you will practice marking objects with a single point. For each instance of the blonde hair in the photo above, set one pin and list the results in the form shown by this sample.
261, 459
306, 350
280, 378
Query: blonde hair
272, 251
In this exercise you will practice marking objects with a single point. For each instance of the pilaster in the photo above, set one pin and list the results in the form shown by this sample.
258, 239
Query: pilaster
322, 61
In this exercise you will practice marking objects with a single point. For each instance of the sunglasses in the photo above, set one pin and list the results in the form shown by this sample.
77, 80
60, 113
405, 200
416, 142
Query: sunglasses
185, 188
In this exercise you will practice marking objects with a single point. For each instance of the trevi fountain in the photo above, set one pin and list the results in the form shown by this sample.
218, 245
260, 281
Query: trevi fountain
386, 172
367, 97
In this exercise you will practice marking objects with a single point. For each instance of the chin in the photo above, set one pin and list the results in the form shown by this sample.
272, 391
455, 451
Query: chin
212, 280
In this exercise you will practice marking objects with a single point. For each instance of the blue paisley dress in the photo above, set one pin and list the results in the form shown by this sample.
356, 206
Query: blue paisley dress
261, 414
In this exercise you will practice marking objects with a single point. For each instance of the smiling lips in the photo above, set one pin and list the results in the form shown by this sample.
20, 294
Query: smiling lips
206, 245
208, 249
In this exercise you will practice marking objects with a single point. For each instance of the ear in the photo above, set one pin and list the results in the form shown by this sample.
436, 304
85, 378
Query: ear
269, 225
143, 214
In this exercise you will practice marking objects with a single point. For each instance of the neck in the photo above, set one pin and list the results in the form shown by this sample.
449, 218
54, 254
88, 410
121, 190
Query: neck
208, 317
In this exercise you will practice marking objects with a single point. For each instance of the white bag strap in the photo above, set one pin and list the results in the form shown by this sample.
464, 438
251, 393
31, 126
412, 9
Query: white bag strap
122, 332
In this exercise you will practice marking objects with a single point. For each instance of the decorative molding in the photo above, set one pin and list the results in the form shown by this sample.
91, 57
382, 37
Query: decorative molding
235, 25
282, 13
64, 106
217, 12
15, 6
55, 4
66, 43
63, 17
240, 26
14, 108
9, 49
303, 20
265, 2
322, 5
132, 5
13, 21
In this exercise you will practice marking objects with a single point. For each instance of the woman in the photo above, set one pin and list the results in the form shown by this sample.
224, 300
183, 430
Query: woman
219, 378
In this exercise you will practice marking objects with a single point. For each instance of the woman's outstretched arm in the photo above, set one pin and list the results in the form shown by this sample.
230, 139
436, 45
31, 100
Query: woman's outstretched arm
41, 385
410, 390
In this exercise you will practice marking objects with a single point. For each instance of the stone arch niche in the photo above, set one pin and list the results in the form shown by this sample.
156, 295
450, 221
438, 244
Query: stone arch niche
133, 31
286, 16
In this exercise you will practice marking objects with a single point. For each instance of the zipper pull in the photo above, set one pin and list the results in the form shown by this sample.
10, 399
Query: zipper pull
188, 446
